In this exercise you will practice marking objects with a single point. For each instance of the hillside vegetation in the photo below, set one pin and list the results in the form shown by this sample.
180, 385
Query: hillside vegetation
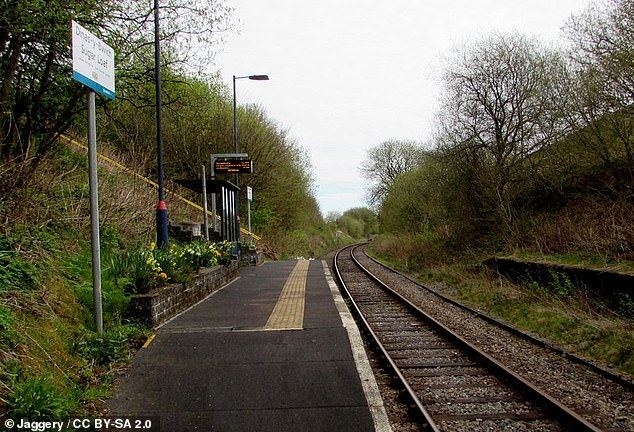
52, 362
533, 150
533, 156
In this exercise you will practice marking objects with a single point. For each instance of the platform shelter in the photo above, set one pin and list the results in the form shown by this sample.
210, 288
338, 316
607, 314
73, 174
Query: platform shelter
225, 195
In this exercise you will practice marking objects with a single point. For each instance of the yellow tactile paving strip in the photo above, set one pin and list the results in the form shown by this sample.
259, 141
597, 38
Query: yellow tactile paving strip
288, 313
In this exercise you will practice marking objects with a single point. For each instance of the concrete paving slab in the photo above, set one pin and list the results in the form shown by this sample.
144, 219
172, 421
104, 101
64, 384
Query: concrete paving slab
214, 368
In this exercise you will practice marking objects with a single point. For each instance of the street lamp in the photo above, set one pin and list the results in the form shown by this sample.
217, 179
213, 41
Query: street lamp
235, 118
235, 136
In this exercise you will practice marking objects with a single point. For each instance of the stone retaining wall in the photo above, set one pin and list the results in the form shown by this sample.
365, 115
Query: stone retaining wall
158, 306
607, 287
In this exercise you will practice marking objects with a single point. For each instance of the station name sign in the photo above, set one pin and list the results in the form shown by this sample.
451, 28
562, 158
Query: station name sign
233, 166
93, 61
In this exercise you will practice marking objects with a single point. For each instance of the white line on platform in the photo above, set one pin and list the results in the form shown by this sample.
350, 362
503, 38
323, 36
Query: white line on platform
370, 387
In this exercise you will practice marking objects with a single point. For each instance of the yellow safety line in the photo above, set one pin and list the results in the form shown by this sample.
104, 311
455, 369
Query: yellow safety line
149, 341
288, 313
154, 184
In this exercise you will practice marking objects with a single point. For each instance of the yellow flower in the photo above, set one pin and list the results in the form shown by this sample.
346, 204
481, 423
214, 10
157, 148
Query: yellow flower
152, 246
163, 276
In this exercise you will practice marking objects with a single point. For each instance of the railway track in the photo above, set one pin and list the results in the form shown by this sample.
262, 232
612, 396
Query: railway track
453, 385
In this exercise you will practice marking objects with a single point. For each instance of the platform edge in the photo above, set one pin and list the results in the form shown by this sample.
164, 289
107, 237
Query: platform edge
368, 382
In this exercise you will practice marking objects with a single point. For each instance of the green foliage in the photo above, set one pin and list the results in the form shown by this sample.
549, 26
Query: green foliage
411, 252
263, 217
39, 99
561, 284
16, 273
625, 305
129, 270
38, 399
535, 308
114, 346
140, 270
7, 321
556, 179
358, 222
415, 200
198, 121
351, 226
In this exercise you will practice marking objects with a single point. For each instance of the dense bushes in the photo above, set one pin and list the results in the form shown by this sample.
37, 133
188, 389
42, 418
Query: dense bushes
533, 148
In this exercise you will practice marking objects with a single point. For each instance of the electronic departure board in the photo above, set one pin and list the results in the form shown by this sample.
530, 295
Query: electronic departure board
233, 166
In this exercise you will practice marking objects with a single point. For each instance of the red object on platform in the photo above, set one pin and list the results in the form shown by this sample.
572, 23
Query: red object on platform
161, 205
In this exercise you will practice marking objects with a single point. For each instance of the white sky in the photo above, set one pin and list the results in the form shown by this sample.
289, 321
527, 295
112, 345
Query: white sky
347, 75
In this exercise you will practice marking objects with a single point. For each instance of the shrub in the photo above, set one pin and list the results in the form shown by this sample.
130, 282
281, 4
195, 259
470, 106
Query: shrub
139, 271
112, 347
37, 399
7, 332
201, 254
16, 273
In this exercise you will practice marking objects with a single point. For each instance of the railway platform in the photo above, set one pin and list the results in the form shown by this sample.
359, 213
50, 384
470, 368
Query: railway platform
275, 350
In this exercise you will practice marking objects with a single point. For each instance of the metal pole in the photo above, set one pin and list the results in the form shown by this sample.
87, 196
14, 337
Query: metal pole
231, 213
249, 199
235, 148
249, 213
94, 211
235, 120
206, 219
161, 207
224, 215
214, 216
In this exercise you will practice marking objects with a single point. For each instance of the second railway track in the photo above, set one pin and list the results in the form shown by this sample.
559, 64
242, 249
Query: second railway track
454, 385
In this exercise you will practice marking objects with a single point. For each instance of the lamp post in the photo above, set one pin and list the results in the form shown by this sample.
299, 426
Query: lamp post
235, 112
161, 208
235, 136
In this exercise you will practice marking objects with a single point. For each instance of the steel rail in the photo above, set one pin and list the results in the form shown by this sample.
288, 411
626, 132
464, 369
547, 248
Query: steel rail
570, 418
410, 392
605, 372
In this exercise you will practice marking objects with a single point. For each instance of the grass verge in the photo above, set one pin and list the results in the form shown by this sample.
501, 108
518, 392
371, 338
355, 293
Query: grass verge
564, 317
568, 321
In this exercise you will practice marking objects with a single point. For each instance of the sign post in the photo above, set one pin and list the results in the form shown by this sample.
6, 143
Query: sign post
205, 219
249, 201
93, 66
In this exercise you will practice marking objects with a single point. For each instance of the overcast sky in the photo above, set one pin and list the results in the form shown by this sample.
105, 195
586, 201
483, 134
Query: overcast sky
346, 75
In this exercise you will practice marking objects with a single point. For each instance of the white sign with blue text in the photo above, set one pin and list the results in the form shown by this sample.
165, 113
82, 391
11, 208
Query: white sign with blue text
93, 61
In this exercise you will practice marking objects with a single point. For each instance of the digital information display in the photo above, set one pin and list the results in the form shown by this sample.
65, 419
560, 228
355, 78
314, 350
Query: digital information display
233, 166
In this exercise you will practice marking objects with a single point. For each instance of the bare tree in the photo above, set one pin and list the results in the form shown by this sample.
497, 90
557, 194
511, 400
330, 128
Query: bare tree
603, 104
500, 105
385, 163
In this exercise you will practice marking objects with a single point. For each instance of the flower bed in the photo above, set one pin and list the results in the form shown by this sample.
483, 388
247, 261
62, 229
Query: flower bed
140, 271
164, 282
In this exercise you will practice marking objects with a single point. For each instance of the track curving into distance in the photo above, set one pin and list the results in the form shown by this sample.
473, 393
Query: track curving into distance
453, 385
